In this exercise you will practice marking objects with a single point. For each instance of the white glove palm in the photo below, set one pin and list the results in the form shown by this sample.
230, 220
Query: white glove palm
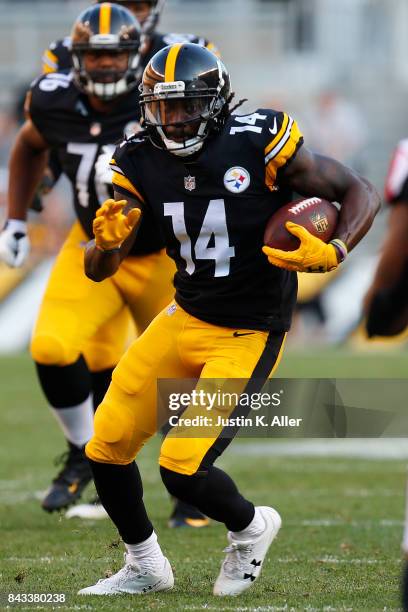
14, 243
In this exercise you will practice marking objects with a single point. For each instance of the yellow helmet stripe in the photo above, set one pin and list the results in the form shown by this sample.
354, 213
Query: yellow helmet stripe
170, 68
105, 18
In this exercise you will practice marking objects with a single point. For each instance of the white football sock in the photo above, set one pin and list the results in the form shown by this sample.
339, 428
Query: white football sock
254, 529
147, 555
76, 421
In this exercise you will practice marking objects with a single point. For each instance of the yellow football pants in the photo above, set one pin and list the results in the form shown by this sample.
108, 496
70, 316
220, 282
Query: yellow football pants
175, 345
79, 316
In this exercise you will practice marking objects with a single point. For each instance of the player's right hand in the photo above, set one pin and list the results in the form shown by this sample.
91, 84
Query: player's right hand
313, 255
14, 243
111, 227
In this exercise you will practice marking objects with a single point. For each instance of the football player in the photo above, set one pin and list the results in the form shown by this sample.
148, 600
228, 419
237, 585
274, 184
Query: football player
386, 302
221, 177
75, 344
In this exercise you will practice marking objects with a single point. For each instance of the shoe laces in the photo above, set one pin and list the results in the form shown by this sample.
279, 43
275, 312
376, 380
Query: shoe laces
238, 557
129, 570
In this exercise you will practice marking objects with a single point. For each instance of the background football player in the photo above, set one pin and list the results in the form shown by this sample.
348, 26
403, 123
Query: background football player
75, 343
386, 302
221, 177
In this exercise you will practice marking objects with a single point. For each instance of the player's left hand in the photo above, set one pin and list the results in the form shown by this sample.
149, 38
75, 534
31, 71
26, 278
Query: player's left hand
313, 255
111, 227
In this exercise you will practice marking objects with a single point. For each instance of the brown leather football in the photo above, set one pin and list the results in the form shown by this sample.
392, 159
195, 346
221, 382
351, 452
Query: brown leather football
318, 216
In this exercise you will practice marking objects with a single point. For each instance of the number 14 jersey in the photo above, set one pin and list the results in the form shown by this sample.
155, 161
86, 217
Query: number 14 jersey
213, 210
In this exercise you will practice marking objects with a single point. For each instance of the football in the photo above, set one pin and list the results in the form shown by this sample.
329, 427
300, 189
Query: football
318, 216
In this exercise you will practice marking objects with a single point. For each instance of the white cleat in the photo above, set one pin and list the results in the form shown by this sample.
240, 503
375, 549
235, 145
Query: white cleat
243, 563
132, 579
87, 511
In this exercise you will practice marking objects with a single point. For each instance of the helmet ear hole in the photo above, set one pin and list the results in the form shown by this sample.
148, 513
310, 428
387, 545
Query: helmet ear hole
197, 84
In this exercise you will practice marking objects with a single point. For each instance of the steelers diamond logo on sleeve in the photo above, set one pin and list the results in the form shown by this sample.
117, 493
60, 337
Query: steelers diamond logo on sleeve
237, 179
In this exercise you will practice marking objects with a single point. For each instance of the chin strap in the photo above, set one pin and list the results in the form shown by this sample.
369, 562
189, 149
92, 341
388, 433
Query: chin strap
238, 104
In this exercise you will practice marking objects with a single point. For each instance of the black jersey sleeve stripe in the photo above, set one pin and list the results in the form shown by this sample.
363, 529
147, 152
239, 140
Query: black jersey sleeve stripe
267, 364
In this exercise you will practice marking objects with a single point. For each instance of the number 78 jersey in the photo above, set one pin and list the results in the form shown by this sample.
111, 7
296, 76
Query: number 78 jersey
213, 210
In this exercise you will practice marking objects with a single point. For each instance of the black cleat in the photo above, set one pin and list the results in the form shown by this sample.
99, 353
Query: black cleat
184, 515
67, 487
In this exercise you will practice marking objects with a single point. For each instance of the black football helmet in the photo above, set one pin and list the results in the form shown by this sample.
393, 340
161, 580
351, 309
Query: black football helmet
185, 92
110, 27
150, 23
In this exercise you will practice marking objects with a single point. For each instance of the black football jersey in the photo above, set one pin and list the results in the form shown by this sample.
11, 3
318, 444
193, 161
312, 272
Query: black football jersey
213, 212
58, 57
79, 136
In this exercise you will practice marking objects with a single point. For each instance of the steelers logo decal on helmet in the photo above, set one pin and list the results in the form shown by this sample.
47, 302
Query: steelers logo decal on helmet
237, 179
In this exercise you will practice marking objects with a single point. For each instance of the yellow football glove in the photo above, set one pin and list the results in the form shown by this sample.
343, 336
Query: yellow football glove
313, 255
111, 227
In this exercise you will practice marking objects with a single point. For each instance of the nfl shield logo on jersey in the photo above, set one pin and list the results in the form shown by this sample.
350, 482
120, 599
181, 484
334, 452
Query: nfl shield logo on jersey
189, 183
237, 179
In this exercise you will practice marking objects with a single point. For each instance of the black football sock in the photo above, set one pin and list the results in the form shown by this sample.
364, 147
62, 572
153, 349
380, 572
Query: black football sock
214, 493
65, 386
120, 490
100, 383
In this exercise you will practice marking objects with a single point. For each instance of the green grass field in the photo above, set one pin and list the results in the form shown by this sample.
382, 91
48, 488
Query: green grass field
339, 547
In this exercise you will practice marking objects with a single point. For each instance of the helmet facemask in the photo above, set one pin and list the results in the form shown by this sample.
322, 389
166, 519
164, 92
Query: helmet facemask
106, 84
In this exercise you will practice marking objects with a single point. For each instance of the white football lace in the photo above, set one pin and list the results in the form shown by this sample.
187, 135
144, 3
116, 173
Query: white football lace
237, 560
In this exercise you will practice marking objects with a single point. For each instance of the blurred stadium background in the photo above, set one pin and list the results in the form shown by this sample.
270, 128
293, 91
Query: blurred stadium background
339, 67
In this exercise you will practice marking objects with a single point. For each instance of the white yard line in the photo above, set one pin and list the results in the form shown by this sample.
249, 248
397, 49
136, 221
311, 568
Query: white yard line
361, 448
